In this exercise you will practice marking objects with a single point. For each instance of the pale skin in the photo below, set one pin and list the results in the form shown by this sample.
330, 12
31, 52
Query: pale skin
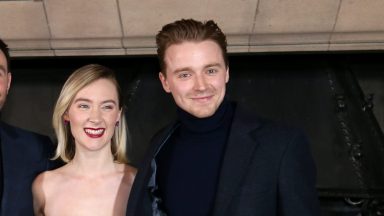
196, 76
92, 183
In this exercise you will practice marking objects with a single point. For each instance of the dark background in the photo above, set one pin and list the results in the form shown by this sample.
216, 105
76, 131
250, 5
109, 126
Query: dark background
326, 94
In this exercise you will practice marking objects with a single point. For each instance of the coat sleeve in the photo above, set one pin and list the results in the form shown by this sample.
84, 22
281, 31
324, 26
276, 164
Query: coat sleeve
297, 180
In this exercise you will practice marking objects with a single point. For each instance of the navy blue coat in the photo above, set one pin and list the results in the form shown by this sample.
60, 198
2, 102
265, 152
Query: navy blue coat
267, 170
25, 154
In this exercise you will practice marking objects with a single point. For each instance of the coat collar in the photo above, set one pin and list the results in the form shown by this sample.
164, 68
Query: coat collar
238, 154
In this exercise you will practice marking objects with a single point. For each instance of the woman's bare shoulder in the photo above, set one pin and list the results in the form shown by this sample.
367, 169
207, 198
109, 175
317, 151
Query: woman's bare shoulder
42, 187
130, 169
129, 173
50, 178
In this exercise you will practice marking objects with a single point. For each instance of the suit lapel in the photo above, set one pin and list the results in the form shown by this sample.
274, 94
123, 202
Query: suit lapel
238, 154
2, 137
10, 164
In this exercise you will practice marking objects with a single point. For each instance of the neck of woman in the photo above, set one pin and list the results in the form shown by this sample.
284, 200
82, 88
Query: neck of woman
94, 164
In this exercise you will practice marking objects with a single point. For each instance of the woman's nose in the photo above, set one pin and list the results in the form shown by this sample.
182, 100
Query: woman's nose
95, 116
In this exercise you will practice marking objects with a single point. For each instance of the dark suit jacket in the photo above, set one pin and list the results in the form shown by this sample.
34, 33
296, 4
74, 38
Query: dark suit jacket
267, 170
25, 154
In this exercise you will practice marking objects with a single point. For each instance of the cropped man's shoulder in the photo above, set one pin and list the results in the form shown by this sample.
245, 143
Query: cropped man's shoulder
265, 125
14, 132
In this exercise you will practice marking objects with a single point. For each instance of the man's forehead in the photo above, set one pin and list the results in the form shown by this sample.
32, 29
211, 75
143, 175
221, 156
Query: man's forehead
191, 50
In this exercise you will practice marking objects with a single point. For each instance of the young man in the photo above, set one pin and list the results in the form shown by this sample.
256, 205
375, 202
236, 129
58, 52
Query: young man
217, 159
23, 154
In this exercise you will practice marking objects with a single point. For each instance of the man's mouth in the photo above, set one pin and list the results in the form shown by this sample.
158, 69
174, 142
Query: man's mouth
202, 98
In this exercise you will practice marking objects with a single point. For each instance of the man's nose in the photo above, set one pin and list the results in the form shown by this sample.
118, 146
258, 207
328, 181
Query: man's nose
200, 82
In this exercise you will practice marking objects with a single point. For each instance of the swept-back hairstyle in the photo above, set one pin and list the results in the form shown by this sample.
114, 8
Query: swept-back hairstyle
189, 30
4, 48
77, 81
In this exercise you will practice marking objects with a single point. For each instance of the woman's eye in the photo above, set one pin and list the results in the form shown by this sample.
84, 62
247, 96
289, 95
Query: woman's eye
83, 106
107, 107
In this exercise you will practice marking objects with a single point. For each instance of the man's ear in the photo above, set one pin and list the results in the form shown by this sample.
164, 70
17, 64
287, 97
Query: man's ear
164, 82
227, 75
9, 81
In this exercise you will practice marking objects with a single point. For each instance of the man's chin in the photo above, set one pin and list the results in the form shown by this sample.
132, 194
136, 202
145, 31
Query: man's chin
203, 113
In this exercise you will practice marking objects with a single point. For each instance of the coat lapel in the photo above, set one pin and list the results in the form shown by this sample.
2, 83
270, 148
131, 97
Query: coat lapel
10, 164
238, 154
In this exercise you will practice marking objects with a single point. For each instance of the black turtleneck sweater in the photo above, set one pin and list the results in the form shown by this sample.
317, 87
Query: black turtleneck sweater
189, 163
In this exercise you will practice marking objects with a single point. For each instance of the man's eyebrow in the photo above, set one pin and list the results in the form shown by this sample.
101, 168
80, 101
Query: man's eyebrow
213, 65
178, 70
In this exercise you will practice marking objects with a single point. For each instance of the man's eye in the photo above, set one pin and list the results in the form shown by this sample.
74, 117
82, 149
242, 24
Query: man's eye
183, 75
211, 71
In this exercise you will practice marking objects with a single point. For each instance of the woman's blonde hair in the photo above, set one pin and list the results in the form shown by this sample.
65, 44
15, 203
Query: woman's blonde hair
77, 81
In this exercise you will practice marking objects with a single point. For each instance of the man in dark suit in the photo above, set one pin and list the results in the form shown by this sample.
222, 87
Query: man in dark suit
23, 155
217, 159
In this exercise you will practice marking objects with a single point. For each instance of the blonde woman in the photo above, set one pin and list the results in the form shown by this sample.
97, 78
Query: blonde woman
90, 126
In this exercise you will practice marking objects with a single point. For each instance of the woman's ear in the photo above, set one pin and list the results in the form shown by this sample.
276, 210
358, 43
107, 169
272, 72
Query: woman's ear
65, 116
119, 115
